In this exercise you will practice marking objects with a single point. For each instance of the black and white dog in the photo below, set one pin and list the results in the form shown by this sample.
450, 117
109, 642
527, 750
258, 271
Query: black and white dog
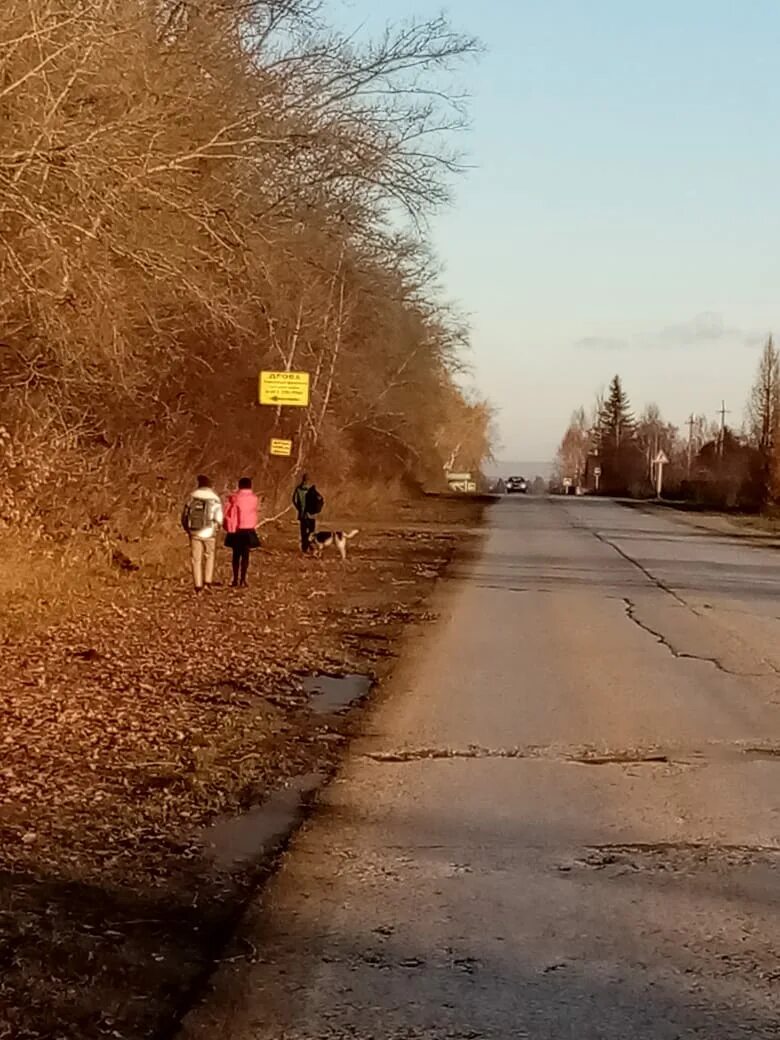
320, 540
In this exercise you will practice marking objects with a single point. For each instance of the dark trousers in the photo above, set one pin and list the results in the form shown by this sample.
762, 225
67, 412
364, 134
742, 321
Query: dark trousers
240, 564
242, 542
308, 526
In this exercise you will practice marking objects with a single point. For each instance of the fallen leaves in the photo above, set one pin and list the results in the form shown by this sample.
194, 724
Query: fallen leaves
126, 729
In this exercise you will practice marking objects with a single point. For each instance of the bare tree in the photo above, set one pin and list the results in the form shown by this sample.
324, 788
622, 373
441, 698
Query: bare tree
192, 191
763, 417
574, 447
655, 435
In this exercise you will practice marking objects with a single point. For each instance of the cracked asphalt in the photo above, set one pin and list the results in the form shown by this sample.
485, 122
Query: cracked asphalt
562, 820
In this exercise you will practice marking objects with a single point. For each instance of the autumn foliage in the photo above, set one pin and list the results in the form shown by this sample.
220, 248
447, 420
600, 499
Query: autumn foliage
190, 192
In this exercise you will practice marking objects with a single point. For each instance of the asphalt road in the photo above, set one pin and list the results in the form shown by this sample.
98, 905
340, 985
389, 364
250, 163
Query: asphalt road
565, 819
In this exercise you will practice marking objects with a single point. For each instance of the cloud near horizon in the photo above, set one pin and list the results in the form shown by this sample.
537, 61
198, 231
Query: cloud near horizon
601, 343
704, 328
707, 327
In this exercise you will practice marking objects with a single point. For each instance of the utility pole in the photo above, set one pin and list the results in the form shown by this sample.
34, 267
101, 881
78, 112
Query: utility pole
691, 423
652, 449
723, 413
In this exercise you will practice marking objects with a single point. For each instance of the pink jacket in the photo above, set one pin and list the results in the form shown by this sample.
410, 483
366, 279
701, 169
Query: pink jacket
241, 511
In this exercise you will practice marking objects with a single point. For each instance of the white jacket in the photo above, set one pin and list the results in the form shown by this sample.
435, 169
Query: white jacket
214, 514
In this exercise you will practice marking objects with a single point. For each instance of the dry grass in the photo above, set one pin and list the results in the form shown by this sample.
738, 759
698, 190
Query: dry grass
45, 584
761, 529
764, 524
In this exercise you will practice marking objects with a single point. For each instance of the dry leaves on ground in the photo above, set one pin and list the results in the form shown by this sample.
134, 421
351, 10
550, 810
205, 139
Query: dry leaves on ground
126, 729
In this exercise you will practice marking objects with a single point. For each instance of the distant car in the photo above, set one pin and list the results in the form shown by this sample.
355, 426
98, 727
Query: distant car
517, 486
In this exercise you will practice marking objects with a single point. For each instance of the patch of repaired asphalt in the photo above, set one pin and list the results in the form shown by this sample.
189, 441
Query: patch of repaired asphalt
587, 758
713, 752
673, 857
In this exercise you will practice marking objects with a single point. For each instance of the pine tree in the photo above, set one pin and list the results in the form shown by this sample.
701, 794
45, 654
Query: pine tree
621, 460
616, 423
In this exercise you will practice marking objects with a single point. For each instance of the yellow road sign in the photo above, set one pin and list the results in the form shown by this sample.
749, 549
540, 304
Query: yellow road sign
281, 447
290, 389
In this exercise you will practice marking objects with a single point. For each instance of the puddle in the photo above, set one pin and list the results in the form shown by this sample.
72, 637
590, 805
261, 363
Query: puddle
235, 841
330, 694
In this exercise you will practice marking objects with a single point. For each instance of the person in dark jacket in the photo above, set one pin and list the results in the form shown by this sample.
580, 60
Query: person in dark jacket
306, 520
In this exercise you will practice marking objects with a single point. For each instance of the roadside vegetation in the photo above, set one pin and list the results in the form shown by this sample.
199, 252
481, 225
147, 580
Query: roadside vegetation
710, 463
193, 192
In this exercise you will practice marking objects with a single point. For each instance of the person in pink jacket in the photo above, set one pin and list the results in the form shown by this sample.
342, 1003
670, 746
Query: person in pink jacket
241, 526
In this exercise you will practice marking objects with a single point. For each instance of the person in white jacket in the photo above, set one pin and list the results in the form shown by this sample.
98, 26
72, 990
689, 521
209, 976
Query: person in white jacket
202, 518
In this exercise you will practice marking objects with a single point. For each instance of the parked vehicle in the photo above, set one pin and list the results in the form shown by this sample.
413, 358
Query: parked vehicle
517, 486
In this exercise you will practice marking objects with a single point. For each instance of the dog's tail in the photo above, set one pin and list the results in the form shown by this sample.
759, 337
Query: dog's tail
351, 534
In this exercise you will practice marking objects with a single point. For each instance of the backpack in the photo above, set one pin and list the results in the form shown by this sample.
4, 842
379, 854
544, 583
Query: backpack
198, 514
314, 501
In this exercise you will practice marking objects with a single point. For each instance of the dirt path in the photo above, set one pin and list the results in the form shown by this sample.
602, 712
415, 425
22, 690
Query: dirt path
128, 729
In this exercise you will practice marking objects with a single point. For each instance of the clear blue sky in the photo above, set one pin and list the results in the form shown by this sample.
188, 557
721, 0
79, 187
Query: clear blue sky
624, 207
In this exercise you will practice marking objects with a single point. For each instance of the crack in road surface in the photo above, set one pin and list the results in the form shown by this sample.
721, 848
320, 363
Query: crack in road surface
536, 590
659, 584
770, 754
634, 563
683, 655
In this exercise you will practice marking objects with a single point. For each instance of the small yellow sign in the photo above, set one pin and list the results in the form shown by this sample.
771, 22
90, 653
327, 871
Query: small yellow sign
290, 389
281, 447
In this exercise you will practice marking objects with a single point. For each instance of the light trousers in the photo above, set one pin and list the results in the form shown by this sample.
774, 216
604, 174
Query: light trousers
203, 551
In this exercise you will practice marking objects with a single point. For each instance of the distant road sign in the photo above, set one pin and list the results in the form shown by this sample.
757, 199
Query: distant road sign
461, 482
286, 389
281, 447
659, 462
